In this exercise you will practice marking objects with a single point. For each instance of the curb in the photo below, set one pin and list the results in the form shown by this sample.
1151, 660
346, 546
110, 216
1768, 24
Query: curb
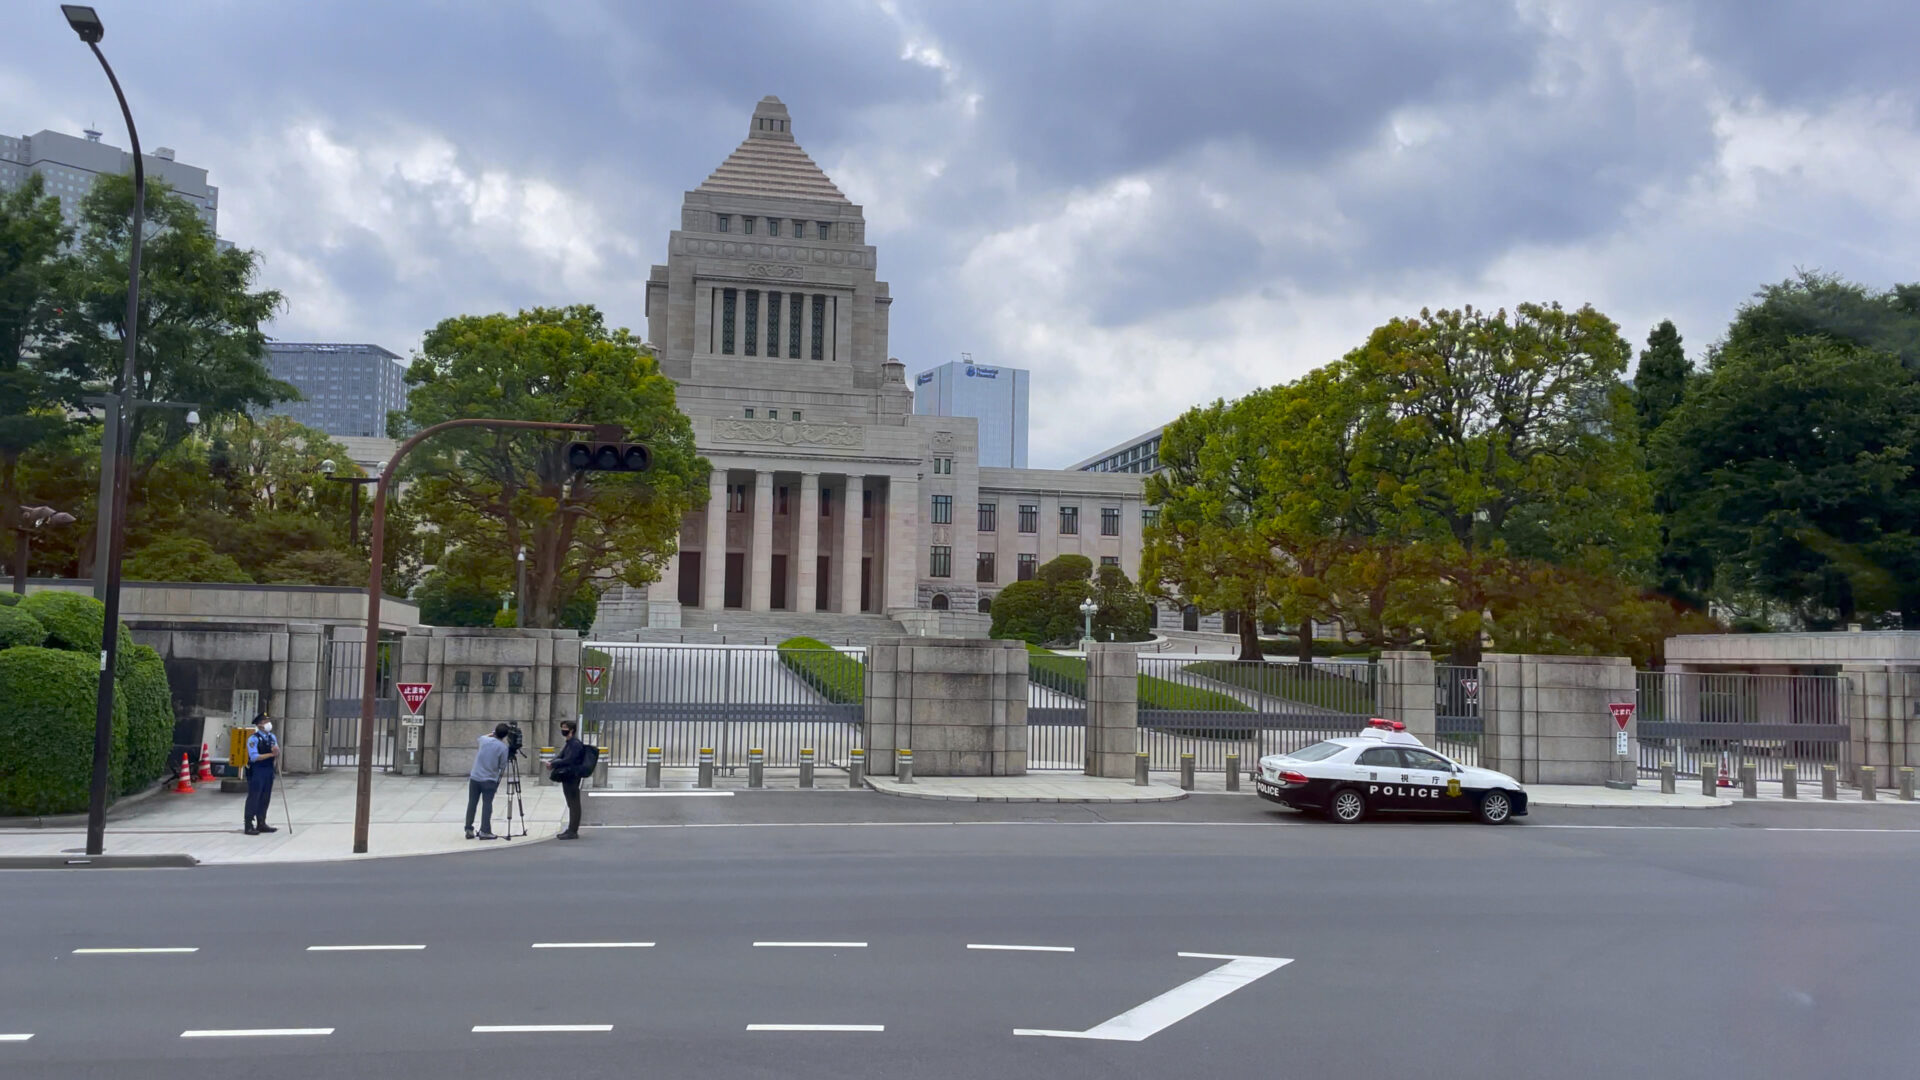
935, 797
94, 862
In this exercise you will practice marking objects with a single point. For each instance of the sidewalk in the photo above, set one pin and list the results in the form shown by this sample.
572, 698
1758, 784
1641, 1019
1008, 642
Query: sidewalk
410, 816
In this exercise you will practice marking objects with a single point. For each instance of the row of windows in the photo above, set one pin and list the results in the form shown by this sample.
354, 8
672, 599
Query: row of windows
823, 230
940, 564
1030, 518
774, 414
750, 328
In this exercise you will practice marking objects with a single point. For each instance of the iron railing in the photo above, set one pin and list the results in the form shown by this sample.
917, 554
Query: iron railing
1459, 724
1211, 708
340, 741
1688, 719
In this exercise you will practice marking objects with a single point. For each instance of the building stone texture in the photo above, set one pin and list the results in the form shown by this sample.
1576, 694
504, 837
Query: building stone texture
829, 494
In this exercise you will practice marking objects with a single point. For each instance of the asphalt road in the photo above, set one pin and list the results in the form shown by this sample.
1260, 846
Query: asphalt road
1751, 942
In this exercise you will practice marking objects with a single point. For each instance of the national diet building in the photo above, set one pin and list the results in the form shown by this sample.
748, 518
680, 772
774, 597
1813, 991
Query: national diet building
833, 506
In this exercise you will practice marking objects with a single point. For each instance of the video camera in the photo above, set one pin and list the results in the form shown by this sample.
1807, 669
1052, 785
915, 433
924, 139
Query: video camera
515, 740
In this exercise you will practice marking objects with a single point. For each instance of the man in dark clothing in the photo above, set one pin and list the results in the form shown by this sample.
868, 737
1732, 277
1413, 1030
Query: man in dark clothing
566, 768
263, 753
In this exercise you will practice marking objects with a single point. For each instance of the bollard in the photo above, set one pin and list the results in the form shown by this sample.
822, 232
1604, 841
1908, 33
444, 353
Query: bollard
1233, 772
653, 766
856, 764
903, 769
806, 766
1789, 781
706, 767
1749, 780
1140, 769
1906, 784
1667, 784
1869, 783
1829, 782
1186, 772
1706, 778
756, 767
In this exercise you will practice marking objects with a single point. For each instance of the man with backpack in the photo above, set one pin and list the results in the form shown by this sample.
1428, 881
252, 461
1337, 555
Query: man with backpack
575, 762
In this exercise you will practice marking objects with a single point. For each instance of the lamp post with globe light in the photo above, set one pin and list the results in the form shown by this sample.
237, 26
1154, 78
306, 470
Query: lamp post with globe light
1088, 609
32, 520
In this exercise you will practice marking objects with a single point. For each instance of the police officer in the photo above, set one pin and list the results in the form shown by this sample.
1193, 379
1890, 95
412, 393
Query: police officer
263, 754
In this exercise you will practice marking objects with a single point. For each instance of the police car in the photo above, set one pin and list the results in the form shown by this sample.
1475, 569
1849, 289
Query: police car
1384, 768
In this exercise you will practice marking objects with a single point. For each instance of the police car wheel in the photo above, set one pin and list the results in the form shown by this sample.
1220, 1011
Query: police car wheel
1347, 806
1496, 808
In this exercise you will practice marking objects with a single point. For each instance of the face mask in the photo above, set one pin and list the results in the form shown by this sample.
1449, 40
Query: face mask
267, 727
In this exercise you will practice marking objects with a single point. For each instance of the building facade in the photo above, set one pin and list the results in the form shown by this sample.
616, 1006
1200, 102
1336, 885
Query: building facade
829, 493
70, 165
995, 396
349, 388
1140, 454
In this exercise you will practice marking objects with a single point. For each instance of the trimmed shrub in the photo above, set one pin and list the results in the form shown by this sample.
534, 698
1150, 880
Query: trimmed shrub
838, 677
47, 699
8, 599
150, 721
73, 622
19, 628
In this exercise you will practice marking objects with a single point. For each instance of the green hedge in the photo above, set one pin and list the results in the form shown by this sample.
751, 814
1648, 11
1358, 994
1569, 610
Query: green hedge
8, 599
149, 704
1068, 675
19, 628
74, 622
47, 699
840, 678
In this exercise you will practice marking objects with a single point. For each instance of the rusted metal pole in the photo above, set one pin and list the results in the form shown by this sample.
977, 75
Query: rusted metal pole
376, 545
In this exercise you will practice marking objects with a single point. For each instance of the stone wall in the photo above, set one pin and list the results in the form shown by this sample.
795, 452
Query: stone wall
1547, 720
484, 676
959, 704
1113, 710
207, 661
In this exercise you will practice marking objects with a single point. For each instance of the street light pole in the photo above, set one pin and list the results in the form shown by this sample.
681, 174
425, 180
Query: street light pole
1088, 608
353, 519
32, 518
87, 25
520, 587
376, 543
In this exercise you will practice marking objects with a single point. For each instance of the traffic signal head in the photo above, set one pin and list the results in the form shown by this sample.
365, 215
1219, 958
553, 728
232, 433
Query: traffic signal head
608, 457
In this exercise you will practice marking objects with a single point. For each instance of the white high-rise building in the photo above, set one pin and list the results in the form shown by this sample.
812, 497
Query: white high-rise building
995, 396
70, 165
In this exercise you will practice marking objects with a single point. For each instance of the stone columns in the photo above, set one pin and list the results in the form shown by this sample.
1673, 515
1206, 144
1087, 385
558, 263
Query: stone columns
663, 596
1407, 692
713, 561
904, 552
1880, 713
959, 704
850, 545
806, 325
1113, 717
760, 559
807, 544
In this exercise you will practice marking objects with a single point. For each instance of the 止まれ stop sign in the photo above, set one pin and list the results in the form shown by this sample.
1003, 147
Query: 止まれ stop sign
414, 694
1622, 713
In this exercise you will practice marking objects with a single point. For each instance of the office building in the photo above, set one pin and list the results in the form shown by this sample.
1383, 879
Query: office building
349, 389
995, 396
1140, 454
69, 165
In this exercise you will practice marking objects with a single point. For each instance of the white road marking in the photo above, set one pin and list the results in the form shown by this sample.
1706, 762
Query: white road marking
809, 944
660, 794
365, 948
252, 1033
593, 944
816, 1027
519, 1029
1719, 828
1150, 1017
115, 952
16, 1038
1024, 948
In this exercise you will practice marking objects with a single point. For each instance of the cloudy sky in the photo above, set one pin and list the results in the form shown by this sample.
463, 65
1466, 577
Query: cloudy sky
1146, 204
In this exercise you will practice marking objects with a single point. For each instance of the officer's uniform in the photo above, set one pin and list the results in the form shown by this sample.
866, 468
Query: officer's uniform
260, 771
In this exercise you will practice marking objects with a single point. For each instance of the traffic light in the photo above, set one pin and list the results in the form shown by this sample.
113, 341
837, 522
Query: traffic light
608, 457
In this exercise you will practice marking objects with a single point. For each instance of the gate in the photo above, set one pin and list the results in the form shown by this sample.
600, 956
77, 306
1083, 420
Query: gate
1688, 718
1212, 708
726, 698
340, 742
1459, 726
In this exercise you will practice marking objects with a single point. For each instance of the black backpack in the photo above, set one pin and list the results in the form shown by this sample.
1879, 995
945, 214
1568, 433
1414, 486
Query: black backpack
589, 760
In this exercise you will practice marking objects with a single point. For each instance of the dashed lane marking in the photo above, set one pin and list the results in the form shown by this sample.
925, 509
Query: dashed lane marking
22, 1037
253, 1033
1149, 1017
522, 1029
809, 944
593, 944
816, 1027
1023, 948
365, 948
119, 952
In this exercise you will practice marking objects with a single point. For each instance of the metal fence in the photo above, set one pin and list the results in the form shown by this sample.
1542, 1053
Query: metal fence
340, 742
726, 698
1211, 708
1692, 718
1459, 724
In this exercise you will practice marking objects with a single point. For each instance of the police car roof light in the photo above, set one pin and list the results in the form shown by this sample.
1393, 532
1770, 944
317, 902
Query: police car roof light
1386, 725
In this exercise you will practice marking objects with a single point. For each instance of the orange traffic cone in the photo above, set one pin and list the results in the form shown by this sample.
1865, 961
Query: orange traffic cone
1725, 780
206, 771
185, 785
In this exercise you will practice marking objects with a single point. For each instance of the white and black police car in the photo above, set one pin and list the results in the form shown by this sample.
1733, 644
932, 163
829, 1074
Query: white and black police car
1385, 769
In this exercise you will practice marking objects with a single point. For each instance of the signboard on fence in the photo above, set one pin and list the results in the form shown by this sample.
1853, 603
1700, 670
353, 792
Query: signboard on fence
414, 694
596, 681
1472, 687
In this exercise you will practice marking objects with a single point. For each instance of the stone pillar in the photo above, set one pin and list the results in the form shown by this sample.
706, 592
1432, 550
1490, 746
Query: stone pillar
807, 543
1547, 720
1406, 692
1879, 713
959, 704
904, 553
303, 700
1113, 720
851, 532
760, 548
713, 561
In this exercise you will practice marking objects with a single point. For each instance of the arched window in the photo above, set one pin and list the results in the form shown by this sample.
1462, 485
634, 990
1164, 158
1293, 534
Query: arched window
986, 605
940, 602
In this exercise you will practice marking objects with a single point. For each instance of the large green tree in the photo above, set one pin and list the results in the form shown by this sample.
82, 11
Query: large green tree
1660, 383
493, 493
31, 238
1046, 609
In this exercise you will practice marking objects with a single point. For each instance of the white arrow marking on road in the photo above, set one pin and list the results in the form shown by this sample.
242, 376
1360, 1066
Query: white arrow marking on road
250, 1033
16, 1038
508, 1029
1151, 1017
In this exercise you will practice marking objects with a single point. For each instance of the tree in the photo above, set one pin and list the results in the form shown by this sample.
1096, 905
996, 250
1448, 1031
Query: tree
31, 237
1813, 304
465, 589
1046, 610
1660, 380
182, 558
495, 492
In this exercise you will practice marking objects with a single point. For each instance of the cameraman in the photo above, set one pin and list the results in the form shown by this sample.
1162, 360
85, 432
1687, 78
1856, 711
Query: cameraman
566, 768
489, 762
263, 754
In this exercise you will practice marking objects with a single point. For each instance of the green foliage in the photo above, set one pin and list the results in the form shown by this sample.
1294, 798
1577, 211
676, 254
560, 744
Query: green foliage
838, 677
1660, 380
182, 558
19, 628
150, 720
47, 700
74, 622
1047, 608
329, 567
496, 492
464, 590
9, 599
1302, 683
32, 235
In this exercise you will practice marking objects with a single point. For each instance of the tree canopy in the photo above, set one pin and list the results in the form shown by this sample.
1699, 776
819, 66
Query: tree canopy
1046, 609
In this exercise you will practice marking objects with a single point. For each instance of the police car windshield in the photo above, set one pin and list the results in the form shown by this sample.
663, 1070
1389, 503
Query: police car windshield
1317, 752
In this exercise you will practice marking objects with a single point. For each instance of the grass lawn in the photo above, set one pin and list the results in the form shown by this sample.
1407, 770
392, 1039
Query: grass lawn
1068, 675
1290, 682
840, 678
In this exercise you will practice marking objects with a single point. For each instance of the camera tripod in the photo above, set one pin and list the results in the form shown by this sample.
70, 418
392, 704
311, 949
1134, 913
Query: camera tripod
510, 788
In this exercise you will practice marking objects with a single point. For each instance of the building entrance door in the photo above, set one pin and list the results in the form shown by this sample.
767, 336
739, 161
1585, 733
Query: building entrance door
736, 579
779, 593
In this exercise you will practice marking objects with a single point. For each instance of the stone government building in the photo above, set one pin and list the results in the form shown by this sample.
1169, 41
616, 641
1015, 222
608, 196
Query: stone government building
834, 508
